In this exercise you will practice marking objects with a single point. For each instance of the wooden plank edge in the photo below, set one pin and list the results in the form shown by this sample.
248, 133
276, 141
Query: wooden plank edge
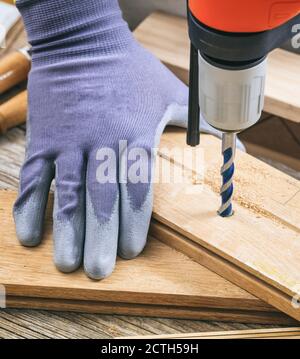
142, 298
158, 311
280, 333
224, 268
268, 153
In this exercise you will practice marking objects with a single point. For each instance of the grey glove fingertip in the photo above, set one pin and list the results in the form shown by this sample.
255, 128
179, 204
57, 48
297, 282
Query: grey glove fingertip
101, 238
68, 243
29, 209
69, 211
134, 225
29, 228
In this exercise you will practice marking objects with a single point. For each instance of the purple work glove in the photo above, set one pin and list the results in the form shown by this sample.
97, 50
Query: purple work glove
91, 86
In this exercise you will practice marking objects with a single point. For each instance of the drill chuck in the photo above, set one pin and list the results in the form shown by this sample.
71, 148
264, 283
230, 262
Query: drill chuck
231, 97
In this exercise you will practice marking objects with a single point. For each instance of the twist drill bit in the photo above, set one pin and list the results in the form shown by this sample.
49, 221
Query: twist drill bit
228, 149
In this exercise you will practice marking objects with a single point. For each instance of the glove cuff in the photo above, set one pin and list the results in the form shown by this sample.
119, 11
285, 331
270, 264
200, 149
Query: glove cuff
74, 24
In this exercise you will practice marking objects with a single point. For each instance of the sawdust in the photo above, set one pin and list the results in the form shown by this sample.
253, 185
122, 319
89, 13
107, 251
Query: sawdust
197, 180
244, 178
250, 202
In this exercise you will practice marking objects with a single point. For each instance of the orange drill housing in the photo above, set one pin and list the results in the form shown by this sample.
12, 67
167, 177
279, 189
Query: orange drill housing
242, 15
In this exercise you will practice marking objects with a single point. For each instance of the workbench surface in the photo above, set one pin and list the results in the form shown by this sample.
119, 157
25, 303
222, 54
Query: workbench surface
17, 323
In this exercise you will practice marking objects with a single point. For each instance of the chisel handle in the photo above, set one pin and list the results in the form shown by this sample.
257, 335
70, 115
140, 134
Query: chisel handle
13, 112
14, 69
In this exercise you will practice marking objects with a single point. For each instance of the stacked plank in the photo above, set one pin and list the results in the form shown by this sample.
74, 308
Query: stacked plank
150, 285
259, 247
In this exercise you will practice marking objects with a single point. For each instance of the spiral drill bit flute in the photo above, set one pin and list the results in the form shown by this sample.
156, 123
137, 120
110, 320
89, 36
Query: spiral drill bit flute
228, 149
230, 41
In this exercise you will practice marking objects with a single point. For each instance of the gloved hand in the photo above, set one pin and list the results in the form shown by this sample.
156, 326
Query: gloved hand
91, 86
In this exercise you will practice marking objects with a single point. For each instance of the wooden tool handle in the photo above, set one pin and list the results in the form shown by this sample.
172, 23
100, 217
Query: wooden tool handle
14, 69
13, 112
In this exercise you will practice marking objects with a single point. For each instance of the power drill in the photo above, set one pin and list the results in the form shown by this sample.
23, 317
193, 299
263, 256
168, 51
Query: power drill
230, 41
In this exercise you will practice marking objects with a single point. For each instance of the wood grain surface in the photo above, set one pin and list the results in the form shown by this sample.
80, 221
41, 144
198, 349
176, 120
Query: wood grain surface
261, 241
259, 188
167, 37
150, 285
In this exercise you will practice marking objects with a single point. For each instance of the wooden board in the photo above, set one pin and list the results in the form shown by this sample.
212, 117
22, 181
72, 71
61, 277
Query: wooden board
151, 310
150, 285
262, 140
166, 36
259, 247
259, 187
283, 333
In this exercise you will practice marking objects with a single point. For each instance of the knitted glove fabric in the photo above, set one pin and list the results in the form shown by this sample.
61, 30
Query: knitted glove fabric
91, 86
